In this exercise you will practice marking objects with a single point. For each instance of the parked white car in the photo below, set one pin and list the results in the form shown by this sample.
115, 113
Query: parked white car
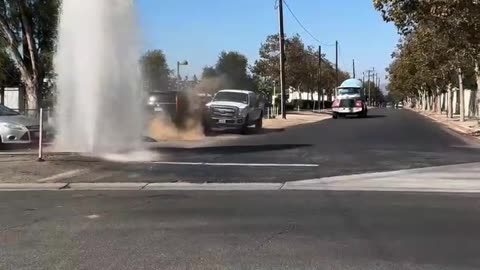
235, 109
16, 128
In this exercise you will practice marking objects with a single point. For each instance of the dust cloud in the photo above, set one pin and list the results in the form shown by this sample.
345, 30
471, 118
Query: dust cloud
190, 125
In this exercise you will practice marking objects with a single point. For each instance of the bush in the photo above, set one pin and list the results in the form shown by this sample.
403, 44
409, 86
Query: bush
306, 104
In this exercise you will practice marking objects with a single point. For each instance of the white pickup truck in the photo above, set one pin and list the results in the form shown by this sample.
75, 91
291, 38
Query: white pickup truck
350, 99
234, 109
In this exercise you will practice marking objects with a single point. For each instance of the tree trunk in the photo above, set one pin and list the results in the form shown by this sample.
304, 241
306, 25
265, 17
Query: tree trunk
32, 91
419, 98
2, 93
449, 101
424, 100
433, 99
477, 96
439, 101
461, 95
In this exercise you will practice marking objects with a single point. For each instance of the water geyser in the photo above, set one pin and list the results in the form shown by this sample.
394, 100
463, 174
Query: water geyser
99, 106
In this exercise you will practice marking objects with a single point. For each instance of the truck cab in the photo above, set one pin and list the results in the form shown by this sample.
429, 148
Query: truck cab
234, 109
350, 99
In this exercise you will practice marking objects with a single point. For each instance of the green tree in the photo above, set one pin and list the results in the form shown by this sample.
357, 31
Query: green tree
230, 71
209, 72
268, 65
9, 73
301, 67
233, 66
31, 25
155, 71
454, 24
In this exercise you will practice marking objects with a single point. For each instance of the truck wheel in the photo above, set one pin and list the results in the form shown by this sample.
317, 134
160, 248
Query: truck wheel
335, 115
365, 113
259, 123
244, 129
207, 130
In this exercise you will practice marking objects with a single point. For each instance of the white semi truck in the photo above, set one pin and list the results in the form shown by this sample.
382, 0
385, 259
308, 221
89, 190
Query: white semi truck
350, 99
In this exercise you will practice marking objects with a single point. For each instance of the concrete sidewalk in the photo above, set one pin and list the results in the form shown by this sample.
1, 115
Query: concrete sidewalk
296, 119
462, 178
469, 127
26, 168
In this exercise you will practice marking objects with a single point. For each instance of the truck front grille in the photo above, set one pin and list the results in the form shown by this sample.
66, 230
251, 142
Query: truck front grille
347, 103
224, 112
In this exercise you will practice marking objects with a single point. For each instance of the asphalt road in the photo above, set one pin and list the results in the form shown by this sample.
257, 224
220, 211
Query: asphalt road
238, 230
387, 140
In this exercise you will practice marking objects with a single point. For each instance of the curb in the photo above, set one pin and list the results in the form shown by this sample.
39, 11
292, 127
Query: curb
105, 186
215, 186
35, 153
132, 186
32, 186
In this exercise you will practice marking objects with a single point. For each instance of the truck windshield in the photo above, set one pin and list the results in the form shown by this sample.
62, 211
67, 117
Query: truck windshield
162, 97
349, 91
231, 96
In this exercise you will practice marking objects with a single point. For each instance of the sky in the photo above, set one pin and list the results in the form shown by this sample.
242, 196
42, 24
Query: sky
197, 31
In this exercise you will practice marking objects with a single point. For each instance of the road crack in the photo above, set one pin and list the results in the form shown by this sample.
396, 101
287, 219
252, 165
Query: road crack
277, 234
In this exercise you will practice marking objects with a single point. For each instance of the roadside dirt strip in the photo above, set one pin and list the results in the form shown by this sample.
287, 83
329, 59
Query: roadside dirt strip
470, 127
463, 178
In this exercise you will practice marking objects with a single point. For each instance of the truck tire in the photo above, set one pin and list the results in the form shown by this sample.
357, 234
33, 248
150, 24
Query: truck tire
244, 129
335, 115
365, 113
207, 130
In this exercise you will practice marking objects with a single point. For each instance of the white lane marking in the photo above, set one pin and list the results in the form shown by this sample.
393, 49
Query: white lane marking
63, 176
92, 216
235, 164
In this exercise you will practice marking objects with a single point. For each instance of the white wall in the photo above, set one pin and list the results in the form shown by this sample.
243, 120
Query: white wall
12, 98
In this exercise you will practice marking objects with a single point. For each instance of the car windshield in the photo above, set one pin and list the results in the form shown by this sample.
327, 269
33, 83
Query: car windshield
5, 111
349, 91
232, 96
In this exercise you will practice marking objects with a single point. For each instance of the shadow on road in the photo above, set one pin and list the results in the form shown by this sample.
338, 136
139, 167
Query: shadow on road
368, 116
18, 147
376, 116
249, 132
230, 149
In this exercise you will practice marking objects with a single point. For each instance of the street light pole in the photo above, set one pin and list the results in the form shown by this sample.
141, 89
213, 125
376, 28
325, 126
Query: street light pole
282, 60
183, 63
370, 72
320, 79
336, 67
354, 74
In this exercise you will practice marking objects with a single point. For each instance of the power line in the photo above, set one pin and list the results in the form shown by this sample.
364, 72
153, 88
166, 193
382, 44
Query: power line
303, 27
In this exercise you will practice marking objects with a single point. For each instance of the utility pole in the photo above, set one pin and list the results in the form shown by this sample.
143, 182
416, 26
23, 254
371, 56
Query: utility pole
354, 75
461, 95
282, 59
336, 65
374, 85
178, 70
320, 78
369, 90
